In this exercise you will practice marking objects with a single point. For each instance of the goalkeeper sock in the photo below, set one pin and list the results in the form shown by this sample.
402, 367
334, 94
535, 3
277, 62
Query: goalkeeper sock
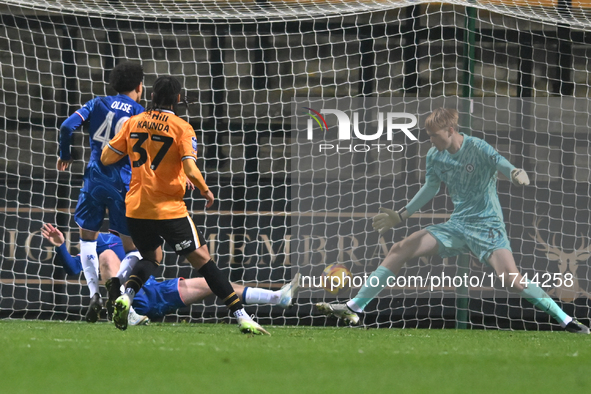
371, 288
253, 295
127, 264
220, 286
542, 301
89, 260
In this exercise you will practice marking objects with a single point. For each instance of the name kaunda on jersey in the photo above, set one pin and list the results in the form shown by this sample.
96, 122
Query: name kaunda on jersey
144, 124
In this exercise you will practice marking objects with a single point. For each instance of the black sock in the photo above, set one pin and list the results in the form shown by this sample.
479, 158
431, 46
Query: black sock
139, 275
220, 286
113, 288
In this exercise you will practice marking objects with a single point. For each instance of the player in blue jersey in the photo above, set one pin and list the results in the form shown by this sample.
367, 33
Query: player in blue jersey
104, 186
157, 299
468, 166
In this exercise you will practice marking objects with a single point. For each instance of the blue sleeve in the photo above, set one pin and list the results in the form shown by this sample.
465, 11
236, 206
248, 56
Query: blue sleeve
427, 192
67, 128
71, 264
501, 164
504, 167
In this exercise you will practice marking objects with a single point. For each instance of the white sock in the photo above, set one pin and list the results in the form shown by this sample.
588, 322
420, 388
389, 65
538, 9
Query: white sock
127, 265
241, 314
565, 322
354, 307
253, 295
90, 265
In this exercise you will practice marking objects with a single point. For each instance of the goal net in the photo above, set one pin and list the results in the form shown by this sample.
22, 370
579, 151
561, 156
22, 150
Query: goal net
254, 74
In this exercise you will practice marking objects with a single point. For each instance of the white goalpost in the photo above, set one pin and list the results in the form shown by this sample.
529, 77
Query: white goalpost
254, 74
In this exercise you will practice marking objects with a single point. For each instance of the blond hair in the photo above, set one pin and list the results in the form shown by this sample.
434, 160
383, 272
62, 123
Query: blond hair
442, 118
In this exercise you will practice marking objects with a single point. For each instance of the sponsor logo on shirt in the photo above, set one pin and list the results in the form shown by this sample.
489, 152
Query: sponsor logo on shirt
194, 142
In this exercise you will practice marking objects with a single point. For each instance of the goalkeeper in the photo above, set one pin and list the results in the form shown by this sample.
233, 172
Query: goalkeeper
157, 299
468, 166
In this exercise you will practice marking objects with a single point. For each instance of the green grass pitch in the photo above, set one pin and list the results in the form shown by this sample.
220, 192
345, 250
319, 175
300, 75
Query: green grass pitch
58, 357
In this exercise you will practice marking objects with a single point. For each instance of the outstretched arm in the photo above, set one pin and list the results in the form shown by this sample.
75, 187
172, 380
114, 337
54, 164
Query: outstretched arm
503, 166
517, 175
71, 265
423, 196
389, 218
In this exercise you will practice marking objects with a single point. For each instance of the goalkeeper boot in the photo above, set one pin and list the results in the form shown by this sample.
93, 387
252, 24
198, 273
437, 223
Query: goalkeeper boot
135, 319
247, 326
340, 311
94, 308
121, 311
578, 328
113, 286
289, 291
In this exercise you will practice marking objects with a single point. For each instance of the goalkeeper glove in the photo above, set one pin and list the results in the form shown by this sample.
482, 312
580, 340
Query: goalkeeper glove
384, 221
519, 177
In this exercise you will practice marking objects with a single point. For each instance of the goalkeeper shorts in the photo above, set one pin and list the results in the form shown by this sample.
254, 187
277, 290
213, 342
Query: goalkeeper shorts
480, 237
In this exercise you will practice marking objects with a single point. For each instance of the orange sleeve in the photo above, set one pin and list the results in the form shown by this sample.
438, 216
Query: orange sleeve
119, 143
188, 144
188, 151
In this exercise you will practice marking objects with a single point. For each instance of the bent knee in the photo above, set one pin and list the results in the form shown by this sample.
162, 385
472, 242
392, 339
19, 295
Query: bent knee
400, 249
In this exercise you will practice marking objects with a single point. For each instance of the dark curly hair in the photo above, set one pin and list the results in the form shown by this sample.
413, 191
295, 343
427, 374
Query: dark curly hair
126, 76
166, 90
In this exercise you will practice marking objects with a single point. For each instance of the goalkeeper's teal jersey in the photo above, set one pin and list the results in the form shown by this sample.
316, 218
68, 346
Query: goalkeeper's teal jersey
471, 178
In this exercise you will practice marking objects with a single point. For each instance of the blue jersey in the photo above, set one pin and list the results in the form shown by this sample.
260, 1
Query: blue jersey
105, 116
104, 186
471, 178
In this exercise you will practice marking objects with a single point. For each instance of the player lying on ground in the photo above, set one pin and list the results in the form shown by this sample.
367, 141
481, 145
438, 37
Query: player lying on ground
157, 299
110, 252
104, 187
468, 166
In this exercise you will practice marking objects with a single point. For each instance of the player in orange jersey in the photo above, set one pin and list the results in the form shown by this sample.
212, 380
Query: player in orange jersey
163, 152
